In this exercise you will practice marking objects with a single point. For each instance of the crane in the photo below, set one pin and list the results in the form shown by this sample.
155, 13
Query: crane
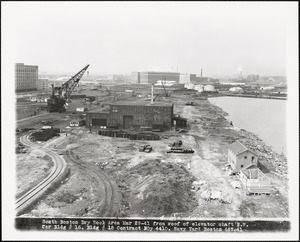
59, 95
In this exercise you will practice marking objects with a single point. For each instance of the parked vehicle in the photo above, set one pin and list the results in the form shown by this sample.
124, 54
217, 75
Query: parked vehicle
145, 148
177, 143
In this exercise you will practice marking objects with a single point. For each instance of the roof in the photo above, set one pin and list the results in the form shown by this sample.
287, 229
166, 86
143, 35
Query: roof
238, 148
179, 118
97, 110
142, 103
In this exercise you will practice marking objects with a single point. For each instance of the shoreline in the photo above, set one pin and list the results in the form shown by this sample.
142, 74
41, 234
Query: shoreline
249, 96
267, 156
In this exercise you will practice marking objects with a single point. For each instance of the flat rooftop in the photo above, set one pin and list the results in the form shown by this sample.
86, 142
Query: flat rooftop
97, 110
142, 103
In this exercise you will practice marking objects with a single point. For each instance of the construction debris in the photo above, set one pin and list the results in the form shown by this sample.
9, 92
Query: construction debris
180, 150
45, 135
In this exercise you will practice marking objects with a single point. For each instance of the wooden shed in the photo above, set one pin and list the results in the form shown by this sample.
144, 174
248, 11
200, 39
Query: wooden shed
77, 122
255, 182
241, 157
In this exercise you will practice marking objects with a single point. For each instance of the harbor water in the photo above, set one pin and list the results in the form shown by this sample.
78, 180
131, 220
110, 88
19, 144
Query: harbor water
264, 117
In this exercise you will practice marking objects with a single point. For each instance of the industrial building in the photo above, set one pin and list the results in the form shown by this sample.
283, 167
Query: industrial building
241, 157
133, 115
187, 78
43, 84
153, 77
26, 77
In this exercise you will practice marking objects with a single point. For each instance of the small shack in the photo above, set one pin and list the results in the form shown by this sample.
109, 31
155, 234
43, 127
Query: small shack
90, 98
241, 157
255, 182
77, 122
179, 122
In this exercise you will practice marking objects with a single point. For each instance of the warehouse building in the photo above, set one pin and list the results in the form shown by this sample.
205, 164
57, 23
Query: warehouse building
97, 119
133, 115
152, 77
26, 77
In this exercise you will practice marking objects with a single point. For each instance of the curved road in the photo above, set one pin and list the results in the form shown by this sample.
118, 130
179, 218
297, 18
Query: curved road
59, 166
109, 207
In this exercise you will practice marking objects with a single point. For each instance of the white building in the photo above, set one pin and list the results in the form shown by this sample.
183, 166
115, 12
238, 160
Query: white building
267, 88
209, 88
199, 88
165, 83
26, 77
187, 78
241, 157
189, 86
236, 89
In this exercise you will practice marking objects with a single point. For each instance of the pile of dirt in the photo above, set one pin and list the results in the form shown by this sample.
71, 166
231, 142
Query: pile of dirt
45, 135
168, 189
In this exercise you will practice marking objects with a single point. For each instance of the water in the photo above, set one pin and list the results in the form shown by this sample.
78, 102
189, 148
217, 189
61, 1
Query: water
264, 117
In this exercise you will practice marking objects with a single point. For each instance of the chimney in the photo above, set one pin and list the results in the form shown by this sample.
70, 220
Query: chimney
152, 94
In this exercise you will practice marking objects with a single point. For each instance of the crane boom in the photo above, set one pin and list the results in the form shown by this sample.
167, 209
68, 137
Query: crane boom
69, 85
59, 96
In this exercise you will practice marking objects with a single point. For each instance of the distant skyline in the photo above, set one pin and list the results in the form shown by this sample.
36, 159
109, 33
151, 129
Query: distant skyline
115, 38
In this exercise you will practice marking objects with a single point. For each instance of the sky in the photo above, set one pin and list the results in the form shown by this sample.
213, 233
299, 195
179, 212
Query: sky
222, 38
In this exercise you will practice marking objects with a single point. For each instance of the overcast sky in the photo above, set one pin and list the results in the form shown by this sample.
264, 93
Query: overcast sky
221, 38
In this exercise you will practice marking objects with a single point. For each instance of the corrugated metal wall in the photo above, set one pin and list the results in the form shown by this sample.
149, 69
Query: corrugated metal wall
142, 115
91, 116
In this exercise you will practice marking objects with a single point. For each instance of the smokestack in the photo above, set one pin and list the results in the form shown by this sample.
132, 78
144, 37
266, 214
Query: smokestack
201, 72
152, 94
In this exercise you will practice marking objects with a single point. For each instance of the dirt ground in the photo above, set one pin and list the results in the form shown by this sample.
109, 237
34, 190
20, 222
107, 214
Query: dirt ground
158, 183
31, 168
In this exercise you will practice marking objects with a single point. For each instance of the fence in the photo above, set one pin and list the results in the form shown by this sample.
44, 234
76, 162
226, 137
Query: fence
131, 136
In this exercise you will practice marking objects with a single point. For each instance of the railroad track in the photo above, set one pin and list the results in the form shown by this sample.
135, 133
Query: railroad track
59, 165
107, 208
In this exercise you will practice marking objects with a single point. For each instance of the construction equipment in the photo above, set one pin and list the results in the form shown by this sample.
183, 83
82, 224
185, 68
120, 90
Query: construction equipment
180, 150
145, 148
60, 95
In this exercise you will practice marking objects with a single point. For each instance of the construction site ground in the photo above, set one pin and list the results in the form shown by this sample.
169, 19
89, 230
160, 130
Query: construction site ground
158, 183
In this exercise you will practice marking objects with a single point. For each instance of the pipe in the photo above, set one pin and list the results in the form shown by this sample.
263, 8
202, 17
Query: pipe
152, 94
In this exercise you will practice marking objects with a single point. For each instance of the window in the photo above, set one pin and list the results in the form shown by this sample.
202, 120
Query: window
245, 157
242, 166
252, 159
